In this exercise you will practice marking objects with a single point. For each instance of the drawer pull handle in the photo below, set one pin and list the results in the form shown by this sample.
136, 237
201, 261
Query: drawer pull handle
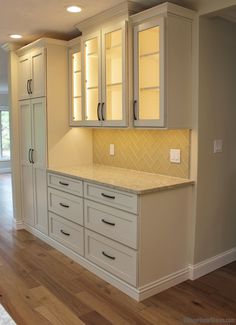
108, 196
65, 233
108, 223
108, 256
64, 184
64, 205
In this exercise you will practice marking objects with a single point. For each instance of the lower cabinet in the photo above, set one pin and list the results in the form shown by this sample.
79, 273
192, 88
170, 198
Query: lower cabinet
138, 243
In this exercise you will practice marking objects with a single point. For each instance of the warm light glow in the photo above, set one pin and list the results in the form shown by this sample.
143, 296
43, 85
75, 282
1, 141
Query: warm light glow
73, 9
16, 36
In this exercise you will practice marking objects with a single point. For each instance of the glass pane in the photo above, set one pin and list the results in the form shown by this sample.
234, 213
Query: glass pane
91, 79
76, 87
113, 44
149, 73
5, 135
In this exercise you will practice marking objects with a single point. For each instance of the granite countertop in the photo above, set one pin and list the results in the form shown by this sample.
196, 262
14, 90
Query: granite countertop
129, 180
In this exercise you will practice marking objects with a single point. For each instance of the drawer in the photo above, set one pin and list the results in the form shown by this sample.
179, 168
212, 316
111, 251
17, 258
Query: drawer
111, 256
66, 205
118, 199
67, 233
110, 222
66, 184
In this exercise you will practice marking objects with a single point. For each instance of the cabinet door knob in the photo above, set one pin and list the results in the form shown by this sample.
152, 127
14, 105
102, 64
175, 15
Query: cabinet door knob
98, 112
134, 110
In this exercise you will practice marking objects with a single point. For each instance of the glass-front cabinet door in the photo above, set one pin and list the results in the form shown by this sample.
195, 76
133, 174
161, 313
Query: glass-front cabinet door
92, 79
113, 76
148, 105
76, 112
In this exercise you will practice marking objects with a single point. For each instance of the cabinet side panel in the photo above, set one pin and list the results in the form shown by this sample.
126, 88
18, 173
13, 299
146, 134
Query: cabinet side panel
165, 219
179, 72
66, 145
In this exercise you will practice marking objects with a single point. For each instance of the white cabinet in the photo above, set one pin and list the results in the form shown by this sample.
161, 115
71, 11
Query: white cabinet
32, 69
162, 68
98, 77
33, 162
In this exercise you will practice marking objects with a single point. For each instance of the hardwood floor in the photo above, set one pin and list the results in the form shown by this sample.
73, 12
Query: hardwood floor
39, 285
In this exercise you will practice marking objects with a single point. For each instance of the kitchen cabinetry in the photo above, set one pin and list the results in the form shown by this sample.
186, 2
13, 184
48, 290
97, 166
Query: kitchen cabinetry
98, 77
126, 238
33, 162
32, 69
162, 67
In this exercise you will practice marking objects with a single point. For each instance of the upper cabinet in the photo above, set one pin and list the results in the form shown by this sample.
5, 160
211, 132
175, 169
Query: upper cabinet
98, 78
162, 67
134, 70
32, 73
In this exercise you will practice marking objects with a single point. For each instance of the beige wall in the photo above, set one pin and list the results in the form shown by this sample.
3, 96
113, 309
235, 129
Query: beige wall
216, 192
146, 150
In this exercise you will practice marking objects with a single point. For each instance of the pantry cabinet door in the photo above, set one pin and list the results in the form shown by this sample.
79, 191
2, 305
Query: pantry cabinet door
24, 76
114, 75
148, 105
38, 73
91, 93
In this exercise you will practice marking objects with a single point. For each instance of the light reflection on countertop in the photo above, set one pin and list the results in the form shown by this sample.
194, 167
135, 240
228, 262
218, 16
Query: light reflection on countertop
129, 180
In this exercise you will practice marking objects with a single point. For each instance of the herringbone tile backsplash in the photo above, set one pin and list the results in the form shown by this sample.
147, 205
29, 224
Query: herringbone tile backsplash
145, 150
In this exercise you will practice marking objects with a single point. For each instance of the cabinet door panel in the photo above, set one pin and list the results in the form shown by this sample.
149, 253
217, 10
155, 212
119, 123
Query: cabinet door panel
40, 190
39, 132
92, 79
25, 127
37, 84
24, 76
114, 75
27, 195
149, 73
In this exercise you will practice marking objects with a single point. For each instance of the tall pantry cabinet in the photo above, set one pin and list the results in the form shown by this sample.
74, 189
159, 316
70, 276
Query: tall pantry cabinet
42, 74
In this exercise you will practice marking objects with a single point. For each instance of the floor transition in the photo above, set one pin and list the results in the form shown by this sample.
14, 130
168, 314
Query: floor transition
39, 285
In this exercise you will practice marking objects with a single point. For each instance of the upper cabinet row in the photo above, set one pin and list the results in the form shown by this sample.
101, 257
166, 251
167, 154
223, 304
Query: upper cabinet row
134, 73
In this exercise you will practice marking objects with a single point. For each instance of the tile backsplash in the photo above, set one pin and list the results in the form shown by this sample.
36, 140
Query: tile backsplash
145, 150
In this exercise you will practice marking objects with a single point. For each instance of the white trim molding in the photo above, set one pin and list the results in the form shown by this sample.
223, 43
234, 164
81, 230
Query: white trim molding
211, 264
18, 224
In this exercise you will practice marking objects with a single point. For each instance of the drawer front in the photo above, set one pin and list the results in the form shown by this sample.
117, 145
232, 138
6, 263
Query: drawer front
122, 200
66, 184
66, 205
66, 233
111, 256
112, 223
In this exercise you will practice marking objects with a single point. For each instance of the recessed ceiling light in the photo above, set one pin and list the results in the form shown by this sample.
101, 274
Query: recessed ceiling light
16, 36
73, 9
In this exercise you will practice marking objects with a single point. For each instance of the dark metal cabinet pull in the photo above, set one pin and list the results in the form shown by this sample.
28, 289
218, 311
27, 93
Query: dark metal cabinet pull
30, 86
108, 196
108, 256
108, 223
134, 110
29, 155
102, 112
64, 184
32, 156
65, 233
64, 205
27, 85
98, 112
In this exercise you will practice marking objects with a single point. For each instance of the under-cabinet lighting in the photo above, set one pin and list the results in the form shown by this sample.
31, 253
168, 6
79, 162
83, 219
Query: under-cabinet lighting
16, 36
73, 9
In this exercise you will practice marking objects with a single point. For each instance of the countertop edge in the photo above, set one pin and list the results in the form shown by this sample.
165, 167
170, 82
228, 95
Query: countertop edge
120, 188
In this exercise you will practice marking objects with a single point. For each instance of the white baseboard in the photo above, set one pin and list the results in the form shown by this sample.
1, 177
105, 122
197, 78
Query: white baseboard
211, 264
18, 224
5, 170
191, 272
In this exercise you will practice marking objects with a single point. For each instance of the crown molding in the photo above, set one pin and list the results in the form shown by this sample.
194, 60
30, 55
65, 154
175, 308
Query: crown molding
42, 42
8, 47
124, 9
